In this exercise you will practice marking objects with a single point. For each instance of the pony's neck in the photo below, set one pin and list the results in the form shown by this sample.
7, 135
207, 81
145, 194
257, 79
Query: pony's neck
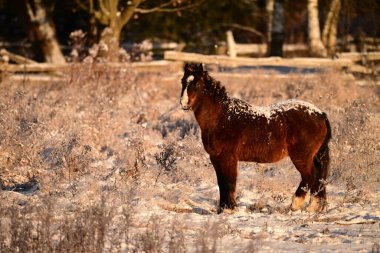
209, 106
207, 111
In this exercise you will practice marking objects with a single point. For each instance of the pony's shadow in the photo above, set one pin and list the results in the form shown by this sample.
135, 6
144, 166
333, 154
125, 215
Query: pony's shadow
202, 211
264, 208
190, 206
199, 203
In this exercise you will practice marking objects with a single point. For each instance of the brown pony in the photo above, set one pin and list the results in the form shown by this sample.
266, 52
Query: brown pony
232, 131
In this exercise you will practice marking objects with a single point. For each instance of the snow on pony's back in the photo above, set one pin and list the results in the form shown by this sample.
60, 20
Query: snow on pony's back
241, 108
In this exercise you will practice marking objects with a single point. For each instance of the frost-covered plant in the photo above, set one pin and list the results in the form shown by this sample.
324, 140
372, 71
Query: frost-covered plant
166, 160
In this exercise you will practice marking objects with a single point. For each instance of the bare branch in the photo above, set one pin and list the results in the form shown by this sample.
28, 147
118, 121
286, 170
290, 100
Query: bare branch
103, 19
248, 29
30, 11
162, 8
112, 7
81, 5
167, 4
103, 8
127, 13
91, 3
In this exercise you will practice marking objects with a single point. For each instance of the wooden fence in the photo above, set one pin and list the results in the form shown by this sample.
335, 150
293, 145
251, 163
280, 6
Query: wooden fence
235, 49
364, 44
173, 60
346, 61
153, 66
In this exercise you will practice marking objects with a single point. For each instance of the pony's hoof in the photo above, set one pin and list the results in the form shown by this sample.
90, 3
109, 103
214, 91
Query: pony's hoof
316, 205
297, 202
224, 207
226, 210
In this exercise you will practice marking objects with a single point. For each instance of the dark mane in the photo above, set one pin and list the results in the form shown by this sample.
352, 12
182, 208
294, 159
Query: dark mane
214, 87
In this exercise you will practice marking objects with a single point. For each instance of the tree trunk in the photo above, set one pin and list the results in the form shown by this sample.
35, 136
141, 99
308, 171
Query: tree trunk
278, 34
330, 27
93, 36
115, 20
315, 44
110, 41
269, 7
42, 31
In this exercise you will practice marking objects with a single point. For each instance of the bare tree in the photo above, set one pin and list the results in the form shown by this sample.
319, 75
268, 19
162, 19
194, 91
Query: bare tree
41, 29
315, 43
115, 14
330, 28
269, 8
277, 32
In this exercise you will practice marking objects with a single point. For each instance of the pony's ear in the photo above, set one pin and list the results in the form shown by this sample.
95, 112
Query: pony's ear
189, 67
199, 69
196, 69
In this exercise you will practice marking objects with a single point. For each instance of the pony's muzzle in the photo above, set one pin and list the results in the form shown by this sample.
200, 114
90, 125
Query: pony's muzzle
184, 101
185, 107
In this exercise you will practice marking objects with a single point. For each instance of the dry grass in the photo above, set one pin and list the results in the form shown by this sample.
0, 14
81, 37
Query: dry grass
82, 154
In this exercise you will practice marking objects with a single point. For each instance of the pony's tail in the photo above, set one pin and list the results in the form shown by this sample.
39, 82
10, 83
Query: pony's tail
322, 158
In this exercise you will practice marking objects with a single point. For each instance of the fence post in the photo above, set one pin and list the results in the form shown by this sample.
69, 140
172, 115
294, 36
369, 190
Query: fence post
231, 45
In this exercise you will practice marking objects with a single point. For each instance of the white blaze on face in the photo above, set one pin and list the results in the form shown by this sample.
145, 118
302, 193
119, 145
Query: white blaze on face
189, 79
185, 97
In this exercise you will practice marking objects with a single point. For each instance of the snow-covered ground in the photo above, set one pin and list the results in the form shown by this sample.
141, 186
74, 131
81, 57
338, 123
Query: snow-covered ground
120, 145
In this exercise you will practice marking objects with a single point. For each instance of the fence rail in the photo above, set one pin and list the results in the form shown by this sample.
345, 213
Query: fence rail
363, 44
257, 62
173, 60
153, 66
235, 49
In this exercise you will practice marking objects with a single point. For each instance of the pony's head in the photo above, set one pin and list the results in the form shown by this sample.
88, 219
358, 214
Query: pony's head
191, 84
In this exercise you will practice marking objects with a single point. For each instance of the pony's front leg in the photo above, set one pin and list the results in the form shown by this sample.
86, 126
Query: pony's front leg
226, 172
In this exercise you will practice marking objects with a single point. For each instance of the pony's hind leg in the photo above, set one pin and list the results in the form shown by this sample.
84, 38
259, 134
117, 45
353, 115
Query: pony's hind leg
318, 188
299, 197
305, 168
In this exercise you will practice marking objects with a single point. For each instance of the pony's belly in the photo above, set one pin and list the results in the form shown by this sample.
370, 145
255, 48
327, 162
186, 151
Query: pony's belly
263, 154
263, 159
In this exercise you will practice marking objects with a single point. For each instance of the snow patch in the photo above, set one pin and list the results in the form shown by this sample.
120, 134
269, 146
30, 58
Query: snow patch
296, 104
241, 108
